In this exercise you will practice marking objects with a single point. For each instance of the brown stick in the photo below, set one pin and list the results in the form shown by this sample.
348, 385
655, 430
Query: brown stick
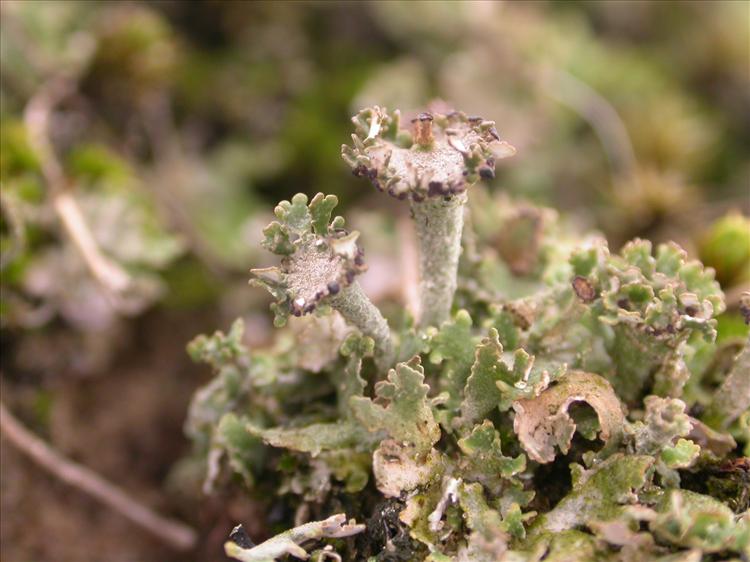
36, 117
174, 533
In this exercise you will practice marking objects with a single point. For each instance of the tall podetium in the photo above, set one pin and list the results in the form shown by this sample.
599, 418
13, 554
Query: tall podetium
319, 265
432, 166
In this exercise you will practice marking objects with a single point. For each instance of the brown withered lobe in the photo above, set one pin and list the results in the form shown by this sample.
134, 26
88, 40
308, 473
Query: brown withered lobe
583, 289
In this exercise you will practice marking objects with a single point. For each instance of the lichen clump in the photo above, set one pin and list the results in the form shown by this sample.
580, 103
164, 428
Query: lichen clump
577, 408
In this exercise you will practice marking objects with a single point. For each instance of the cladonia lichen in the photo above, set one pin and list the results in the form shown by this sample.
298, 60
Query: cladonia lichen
319, 265
556, 400
289, 542
432, 167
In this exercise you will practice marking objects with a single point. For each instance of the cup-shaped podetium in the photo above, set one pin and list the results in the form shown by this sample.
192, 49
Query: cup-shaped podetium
320, 260
432, 165
442, 154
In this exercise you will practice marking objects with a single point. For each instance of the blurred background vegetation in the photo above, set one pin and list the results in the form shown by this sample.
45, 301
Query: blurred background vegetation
167, 130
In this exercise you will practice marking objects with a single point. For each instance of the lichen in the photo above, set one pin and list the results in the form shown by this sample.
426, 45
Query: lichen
687, 519
598, 494
432, 166
443, 154
659, 434
543, 423
320, 262
407, 416
732, 399
289, 542
554, 401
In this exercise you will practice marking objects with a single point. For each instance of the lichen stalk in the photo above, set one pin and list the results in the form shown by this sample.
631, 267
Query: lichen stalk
352, 303
439, 222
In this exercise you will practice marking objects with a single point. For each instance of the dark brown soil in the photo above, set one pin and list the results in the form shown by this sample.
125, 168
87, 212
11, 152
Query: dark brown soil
126, 424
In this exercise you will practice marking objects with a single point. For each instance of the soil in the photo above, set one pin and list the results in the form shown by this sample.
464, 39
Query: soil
126, 424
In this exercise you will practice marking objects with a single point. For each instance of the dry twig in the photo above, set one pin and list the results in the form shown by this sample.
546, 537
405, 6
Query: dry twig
109, 274
174, 533
598, 112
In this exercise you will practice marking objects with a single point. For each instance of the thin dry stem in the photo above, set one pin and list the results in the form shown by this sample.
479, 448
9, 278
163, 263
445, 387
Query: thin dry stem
36, 117
174, 533
598, 112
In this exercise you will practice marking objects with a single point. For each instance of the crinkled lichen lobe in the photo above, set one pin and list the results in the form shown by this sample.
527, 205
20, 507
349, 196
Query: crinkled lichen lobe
543, 423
